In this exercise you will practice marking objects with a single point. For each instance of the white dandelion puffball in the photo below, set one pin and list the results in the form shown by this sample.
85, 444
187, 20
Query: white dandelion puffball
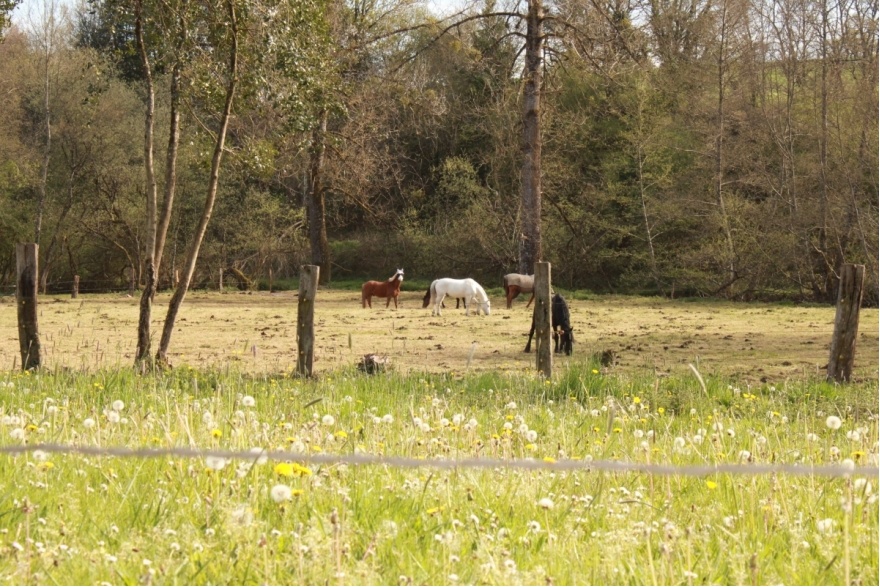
531, 436
281, 493
89, 423
328, 420
825, 526
833, 422
545, 503
118, 405
215, 463
248, 401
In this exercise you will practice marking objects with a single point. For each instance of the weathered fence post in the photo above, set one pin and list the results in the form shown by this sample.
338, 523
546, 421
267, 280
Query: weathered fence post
26, 255
131, 279
846, 323
74, 292
270, 280
221, 280
305, 321
543, 350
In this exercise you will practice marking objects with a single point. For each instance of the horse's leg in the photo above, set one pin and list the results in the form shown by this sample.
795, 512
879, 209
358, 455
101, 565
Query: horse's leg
555, 342
531, 299
438, 304
528, 348
395, 301
388, 301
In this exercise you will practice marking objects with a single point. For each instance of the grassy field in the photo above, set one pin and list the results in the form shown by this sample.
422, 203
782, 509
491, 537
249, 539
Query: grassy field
256, 333
78, 519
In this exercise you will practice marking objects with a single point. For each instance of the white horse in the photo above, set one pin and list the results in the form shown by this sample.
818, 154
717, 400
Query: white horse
468, 289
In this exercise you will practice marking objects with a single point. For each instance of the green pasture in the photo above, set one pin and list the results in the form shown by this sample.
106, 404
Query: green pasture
74, 519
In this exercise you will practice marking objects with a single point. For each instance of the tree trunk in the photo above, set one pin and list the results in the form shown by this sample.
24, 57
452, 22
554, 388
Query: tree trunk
543, 320
315, 201
846, 323
26, 256
143, 352
47, 147
531, 246
193, 252
719, 149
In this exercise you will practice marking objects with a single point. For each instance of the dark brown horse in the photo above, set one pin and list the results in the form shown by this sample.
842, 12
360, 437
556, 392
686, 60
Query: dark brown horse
382, 289
514, 284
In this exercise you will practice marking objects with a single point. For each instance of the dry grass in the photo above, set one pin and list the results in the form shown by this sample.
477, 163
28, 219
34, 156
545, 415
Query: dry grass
256, 332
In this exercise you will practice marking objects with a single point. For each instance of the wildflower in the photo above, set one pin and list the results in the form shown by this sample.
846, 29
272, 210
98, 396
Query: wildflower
825, 526
811, 437
88, 423
387, 419
118, 405
217, 433
281, 493
853, 435
341, 434
833, 422
550, 460
248, 401
711, 484
679, 442
531, 436
40, 455
595, 371
215, 463
533, 527
47, 466
16, 433
545, 503
113, 417
661, 411
328, 420
531, 446
510, 406
745, 455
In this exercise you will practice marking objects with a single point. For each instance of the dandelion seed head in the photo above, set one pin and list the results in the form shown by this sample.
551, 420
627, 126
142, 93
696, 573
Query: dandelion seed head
248, 401
281, 493
833, 422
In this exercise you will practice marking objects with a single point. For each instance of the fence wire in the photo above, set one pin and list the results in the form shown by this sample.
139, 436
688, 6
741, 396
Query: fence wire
837, 470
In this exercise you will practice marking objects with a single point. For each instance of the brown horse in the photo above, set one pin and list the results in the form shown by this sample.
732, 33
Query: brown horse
514, 284
382, 289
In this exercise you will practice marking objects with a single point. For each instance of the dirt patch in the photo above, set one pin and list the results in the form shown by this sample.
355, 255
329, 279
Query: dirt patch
256, 332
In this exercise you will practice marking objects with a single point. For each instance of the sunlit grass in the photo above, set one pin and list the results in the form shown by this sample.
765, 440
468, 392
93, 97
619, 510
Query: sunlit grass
83, 519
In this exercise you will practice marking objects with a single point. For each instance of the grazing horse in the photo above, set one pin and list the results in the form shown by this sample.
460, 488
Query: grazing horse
382, 289
563, 338
468, 289
514, 284
426, 301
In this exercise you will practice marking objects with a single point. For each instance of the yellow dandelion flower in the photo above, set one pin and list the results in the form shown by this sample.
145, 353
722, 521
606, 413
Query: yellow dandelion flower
856, 455
46, 465
618, 430
284, 469
434, 510
637, 400
301, 470
549, 460
296, 492
30, 427
711, 484
661, 411
217, 433
531, 446
595, 371
342, 434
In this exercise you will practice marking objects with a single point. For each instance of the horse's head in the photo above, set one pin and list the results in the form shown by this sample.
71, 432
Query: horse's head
486, 306
567, 340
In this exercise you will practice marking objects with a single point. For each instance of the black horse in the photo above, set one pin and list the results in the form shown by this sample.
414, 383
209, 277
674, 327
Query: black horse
563, 338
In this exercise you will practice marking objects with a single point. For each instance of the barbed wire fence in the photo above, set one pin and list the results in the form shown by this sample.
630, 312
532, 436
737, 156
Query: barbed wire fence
844, 469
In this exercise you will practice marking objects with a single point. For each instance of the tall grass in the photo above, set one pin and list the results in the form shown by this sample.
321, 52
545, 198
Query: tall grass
87, 520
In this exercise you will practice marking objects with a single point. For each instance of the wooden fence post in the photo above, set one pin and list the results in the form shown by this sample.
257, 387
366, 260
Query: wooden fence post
26, 255
846, 323
74, 293
543, 327
305, 321
270, 280
221, 280
131, 279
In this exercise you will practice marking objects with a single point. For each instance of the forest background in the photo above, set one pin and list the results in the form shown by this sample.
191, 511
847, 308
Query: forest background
690, 147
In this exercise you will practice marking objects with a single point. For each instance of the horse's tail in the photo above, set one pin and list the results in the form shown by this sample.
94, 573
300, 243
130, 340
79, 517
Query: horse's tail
506, 284
433, 290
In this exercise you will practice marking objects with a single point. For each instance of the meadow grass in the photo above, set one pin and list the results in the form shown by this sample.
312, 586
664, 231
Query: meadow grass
75, 519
